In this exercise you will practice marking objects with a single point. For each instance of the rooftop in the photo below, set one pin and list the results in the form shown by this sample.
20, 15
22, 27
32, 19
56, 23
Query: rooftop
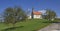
37, 13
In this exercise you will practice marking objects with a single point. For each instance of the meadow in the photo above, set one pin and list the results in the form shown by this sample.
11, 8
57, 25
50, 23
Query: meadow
28, 25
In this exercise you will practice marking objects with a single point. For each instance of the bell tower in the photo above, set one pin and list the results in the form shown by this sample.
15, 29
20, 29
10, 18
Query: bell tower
32, 13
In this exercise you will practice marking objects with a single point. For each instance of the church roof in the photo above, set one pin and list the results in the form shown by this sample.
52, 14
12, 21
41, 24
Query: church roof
37, 13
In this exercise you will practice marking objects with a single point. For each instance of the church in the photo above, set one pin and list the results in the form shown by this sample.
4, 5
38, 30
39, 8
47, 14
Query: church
36, 15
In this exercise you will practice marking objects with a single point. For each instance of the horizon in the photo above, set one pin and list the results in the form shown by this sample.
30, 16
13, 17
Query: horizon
37, 4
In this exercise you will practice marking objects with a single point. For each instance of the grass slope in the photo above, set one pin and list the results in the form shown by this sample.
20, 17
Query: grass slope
29, 25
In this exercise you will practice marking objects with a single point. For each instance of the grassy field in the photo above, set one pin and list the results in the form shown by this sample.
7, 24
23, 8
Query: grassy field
29, 25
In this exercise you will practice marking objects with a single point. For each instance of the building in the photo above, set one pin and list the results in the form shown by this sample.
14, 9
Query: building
36, 15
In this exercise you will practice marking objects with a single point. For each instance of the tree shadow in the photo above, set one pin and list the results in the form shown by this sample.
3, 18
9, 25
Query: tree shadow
34, 30
12, 28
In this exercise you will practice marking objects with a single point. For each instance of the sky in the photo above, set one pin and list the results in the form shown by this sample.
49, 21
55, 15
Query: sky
37, 4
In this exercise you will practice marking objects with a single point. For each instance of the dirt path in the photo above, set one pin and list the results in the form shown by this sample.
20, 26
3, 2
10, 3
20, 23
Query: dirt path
52, 27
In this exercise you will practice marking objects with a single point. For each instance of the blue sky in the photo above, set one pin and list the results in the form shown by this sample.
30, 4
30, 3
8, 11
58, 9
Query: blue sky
37, 4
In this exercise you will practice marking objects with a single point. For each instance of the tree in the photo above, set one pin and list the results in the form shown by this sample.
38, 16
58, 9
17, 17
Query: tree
14, 15
50, 14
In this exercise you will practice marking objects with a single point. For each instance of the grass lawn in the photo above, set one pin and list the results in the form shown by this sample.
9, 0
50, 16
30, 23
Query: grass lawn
29, 25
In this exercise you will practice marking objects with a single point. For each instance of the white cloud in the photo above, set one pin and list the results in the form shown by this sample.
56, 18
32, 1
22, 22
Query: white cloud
43, 11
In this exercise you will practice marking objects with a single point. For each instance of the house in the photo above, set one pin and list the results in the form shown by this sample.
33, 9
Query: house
36, 15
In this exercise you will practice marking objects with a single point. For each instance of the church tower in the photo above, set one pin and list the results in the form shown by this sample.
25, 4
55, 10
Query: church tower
32, 13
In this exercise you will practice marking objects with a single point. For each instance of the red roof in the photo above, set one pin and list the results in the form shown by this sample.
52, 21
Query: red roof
37, 13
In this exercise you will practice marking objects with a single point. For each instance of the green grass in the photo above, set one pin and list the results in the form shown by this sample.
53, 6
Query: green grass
29, 25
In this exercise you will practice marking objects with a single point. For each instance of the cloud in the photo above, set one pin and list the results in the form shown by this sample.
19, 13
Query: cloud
43, 11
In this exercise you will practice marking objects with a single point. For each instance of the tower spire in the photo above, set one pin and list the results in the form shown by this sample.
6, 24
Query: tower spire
32, 13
